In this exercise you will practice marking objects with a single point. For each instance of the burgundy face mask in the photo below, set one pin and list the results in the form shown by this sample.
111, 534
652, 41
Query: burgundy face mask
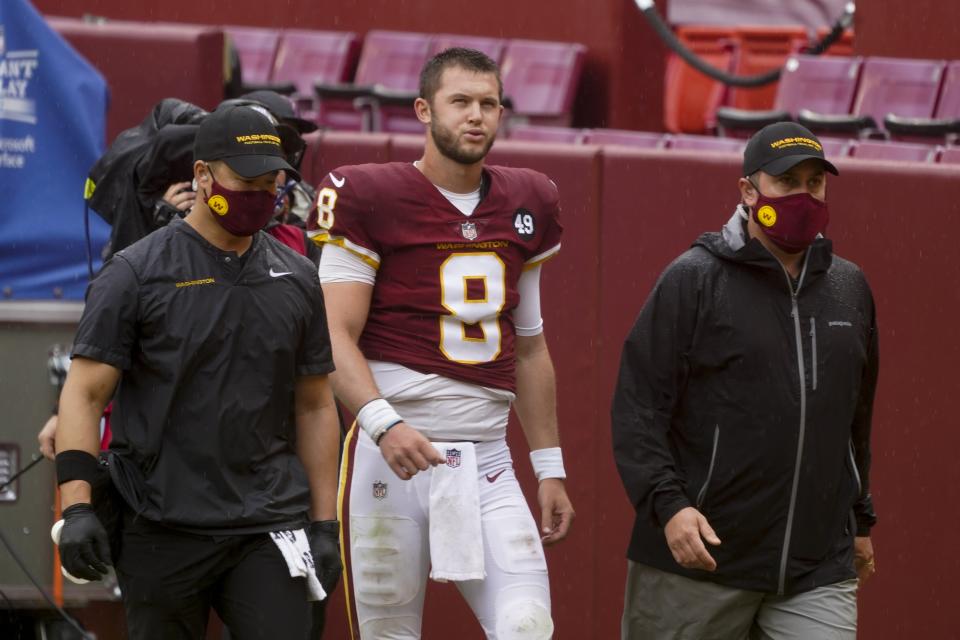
241, 213
791, 222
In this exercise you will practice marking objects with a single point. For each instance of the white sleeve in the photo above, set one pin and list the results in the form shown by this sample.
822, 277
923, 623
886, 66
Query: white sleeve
526, 317
340, 265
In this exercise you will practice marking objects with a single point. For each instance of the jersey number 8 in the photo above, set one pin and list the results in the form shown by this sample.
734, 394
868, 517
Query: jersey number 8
326, 201
473, 289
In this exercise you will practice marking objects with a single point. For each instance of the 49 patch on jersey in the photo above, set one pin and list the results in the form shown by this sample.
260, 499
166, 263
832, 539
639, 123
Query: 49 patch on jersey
524, 224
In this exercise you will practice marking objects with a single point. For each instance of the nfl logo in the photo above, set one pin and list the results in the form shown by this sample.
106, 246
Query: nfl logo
469, 230
453, 458
379, 490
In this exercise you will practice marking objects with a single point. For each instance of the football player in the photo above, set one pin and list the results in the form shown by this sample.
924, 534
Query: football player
431, 274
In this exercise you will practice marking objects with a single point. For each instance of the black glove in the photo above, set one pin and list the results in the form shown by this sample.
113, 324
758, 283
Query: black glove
324, 536
84, 549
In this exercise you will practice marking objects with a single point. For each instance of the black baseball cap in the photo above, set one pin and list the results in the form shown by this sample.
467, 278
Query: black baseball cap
281, 108
245, 139
781, 145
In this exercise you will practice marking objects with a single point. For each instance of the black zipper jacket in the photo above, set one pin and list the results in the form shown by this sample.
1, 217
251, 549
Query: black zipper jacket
748, 396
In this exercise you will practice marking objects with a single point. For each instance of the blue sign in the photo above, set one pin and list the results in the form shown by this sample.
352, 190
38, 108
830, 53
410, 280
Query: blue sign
53, 107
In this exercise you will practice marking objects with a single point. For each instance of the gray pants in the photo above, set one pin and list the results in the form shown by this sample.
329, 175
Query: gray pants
665, 606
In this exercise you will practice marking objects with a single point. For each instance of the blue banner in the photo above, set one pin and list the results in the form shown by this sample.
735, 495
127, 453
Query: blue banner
53, 107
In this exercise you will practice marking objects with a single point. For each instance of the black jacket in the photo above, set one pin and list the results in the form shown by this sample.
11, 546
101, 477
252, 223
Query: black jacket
749, 397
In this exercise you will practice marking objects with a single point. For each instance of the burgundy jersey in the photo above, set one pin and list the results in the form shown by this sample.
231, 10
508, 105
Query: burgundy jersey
446, 283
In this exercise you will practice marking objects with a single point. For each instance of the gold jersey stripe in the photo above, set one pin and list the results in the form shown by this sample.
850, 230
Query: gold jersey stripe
366, 255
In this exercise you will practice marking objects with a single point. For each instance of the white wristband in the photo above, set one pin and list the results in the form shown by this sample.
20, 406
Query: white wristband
376, 417
547, 463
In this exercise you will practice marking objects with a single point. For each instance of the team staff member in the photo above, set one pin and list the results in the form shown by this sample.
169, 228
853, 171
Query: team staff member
431, 270
741, 419
213, 331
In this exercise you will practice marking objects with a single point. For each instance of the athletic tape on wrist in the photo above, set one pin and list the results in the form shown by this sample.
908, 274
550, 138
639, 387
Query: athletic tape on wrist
376, 417
548, 463
74, 464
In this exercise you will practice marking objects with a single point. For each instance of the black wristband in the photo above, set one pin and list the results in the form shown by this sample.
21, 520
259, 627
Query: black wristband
78, 507
326, 526
384, 432
74, 464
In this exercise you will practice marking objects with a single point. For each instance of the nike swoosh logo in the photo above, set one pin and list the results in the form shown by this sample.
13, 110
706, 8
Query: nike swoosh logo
339, 182
277, 274
492, 477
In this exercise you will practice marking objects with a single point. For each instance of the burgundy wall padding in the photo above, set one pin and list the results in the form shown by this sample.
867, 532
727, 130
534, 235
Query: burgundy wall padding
331, 149
918, 29
145, 63
898, 224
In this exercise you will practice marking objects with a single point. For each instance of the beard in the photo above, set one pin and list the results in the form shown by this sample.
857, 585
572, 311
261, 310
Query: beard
447, 145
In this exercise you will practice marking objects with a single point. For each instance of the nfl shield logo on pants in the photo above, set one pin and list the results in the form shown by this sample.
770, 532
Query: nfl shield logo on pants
453, 458
379, 490
469, 230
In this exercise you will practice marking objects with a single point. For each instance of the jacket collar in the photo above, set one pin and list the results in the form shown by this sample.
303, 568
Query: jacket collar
733, 243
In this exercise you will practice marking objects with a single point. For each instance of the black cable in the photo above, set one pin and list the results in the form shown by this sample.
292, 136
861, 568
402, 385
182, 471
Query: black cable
70, 620
14, 477
666, 34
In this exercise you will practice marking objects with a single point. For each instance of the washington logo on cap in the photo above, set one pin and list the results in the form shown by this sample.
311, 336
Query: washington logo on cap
259, 138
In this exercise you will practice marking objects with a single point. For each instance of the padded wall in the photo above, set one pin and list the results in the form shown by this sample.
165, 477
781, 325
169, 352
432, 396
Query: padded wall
144, 64
917, 29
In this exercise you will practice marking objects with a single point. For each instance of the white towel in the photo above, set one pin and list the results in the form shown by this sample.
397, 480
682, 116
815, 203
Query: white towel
296, 551
456, 539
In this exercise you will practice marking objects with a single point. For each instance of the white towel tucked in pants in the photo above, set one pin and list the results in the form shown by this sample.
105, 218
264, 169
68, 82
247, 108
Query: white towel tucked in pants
456, 538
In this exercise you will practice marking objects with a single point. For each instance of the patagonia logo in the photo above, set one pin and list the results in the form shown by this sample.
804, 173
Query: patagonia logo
839, 323
193, 283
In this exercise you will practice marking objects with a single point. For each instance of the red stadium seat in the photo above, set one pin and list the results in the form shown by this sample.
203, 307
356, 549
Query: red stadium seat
257, 49
642, 139
708, 144
305, 58
945, 121
905, 88
949, 155
837, 147
894, 151
390, 63
540, 78
537, 133
842, 47
818, 84
493, 47
762, 49
948, 106
690, 98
